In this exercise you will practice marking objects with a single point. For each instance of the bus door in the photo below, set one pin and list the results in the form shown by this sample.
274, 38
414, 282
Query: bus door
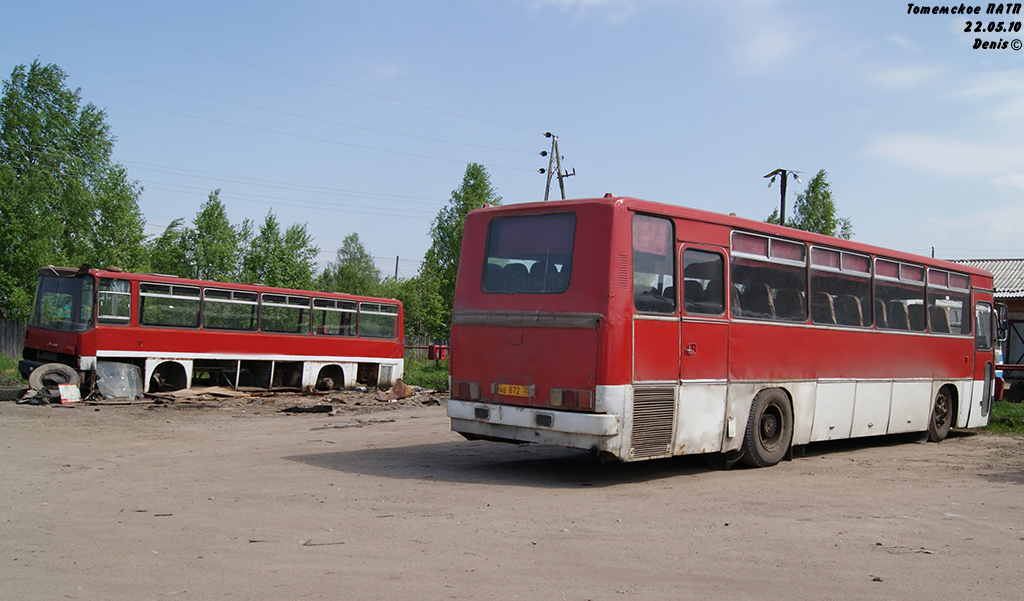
655, 325
703, 343
984, 359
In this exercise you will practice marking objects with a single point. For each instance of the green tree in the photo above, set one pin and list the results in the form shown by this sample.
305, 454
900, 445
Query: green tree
167, 251
273, 259
422, 305
353, 270
213, 245
63, 200
815, 210
442, 259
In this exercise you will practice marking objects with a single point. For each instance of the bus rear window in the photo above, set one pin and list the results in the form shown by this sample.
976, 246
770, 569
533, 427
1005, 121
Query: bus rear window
529, 254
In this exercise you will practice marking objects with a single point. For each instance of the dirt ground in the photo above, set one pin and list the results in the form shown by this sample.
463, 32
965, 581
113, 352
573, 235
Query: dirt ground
235, 499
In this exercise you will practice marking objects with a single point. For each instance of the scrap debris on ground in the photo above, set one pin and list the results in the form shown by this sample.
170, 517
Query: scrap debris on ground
360, 400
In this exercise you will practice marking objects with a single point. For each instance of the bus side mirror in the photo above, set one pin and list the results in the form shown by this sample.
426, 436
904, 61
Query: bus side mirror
1002, 322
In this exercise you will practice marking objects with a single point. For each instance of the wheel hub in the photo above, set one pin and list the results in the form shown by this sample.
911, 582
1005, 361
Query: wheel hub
769, 426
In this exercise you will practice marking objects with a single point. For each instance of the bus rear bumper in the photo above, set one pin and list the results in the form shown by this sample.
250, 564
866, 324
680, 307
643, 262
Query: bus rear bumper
593, 431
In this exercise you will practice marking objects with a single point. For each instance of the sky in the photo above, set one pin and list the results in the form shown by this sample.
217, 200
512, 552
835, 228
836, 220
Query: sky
360, 116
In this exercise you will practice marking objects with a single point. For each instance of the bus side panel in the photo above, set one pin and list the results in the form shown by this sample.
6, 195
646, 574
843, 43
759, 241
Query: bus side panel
146, 342
655, 350
833, 412
767, 352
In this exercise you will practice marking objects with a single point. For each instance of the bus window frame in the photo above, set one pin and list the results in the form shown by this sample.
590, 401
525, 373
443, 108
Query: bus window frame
723, 257
670, 259
198, 298
113, 320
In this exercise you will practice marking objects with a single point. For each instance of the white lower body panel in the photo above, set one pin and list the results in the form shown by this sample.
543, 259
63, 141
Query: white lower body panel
661, 419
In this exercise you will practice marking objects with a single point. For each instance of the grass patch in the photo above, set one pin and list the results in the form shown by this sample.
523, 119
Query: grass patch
426, 373
1006, 418
9, 375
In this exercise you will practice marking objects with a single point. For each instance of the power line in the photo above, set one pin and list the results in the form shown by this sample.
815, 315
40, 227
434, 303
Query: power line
271, 70
285, 185
274, 111
60, 154
292, 202
300, 136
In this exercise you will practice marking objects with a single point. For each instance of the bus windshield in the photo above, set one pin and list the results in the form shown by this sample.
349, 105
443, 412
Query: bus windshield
529, 254
64, 304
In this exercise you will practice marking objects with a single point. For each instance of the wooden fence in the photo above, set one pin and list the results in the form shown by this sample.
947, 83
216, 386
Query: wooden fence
416, 346
12, 338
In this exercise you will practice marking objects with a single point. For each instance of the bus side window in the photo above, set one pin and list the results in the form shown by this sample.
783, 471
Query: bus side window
653, 264
115, 301
703, 282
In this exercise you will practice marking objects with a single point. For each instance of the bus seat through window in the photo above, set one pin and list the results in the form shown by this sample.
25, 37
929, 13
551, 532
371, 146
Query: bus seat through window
543, 277
515, 276
693, 293
757, 301
848, 311
916, 315
899, 317
789, 305
493, 281
822, 308
940, 319
880, 317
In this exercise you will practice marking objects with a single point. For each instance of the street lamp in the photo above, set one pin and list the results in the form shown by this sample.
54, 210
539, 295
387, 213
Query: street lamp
782, 203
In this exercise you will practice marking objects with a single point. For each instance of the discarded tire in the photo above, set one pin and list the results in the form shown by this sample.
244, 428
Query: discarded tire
50, 375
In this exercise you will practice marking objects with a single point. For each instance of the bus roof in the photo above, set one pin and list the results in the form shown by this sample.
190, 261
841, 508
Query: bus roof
669, 210
113, 272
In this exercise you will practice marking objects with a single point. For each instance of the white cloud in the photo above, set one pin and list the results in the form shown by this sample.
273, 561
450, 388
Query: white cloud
760, 34
613, 10
389, 71
902, 41
950, 156
908, 76
1013, 180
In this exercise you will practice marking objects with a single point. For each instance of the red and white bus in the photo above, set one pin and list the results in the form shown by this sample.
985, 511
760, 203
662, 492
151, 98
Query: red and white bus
181, 332
641, 330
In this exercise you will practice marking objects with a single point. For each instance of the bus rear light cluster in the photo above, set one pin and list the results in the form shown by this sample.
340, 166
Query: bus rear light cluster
466, 391
572, 399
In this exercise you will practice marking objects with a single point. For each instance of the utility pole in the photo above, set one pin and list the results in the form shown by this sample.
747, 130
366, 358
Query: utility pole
782, 203
554, 166
396, 269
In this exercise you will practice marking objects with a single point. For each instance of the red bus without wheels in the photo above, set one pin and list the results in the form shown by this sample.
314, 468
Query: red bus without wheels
641, 330
180, 331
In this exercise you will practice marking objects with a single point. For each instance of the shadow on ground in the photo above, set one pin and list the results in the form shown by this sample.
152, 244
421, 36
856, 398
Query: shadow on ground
545, 466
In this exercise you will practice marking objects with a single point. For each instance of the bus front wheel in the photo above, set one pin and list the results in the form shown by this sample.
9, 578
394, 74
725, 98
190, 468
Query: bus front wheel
942, 416
769, 429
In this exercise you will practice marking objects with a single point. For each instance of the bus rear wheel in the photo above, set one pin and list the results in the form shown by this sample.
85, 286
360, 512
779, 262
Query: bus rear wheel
769, 429
942, 416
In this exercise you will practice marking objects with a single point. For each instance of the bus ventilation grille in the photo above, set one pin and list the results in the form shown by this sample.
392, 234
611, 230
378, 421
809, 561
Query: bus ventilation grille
653, 417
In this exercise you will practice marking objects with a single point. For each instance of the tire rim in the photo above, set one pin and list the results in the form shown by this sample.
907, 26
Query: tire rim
770, 427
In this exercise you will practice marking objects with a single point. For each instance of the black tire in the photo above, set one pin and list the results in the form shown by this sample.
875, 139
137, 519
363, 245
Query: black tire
49, 375
942, 416
769, 429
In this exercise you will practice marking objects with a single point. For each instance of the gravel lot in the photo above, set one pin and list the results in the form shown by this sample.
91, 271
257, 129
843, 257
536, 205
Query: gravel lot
234, 499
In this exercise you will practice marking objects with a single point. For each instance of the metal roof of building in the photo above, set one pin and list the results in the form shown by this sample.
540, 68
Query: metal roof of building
1008, 275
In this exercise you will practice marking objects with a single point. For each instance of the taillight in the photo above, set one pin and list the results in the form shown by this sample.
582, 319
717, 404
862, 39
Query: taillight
572, 399
466, 391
